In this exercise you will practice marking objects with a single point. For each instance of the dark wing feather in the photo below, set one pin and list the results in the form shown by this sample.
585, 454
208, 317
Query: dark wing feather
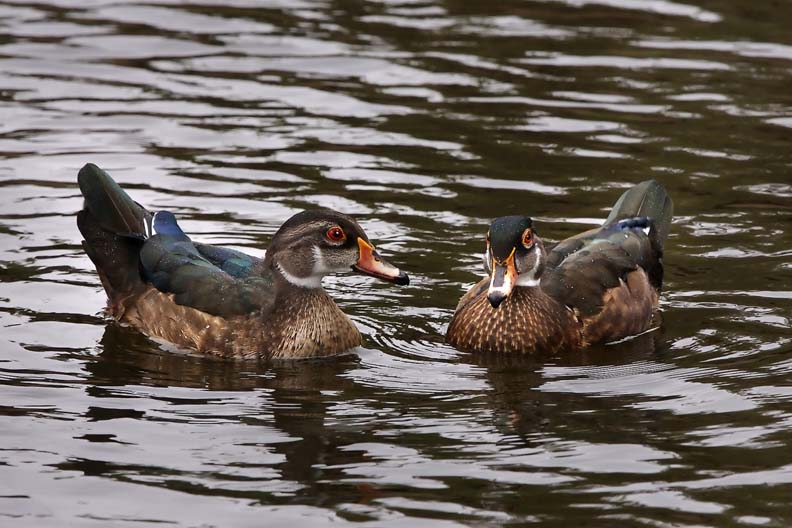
646, 199
586, 267
218, 281
233, 262
174, 265
566, 247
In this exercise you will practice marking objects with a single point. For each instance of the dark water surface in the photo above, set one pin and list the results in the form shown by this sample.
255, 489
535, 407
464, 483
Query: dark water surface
425, 120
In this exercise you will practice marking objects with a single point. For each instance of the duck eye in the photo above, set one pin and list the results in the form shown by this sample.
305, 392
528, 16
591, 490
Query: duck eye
527, 238
335, 234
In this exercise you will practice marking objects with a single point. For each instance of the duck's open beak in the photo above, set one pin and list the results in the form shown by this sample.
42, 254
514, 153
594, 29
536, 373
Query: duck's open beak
370, 263
504, 275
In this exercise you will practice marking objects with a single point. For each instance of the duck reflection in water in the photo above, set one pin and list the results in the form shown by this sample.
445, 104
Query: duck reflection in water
281, 408
523, 409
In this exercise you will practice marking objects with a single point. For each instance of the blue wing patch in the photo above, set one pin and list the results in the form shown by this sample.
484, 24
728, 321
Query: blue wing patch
164, 223
212, 279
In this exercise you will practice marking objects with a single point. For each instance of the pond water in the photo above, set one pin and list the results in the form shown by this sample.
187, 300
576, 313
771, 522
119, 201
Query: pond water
424, 119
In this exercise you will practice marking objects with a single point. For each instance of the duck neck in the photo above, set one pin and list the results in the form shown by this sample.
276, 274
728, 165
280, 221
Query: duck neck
306, 322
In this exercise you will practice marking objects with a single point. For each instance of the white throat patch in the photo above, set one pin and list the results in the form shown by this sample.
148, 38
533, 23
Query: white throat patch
529, 279
319, 271
312, 281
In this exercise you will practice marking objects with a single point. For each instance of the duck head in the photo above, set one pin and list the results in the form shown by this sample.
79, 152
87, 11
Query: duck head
312, 244
514, 257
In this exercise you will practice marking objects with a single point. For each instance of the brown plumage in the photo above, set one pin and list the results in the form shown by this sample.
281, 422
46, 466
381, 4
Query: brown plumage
220, 301
307, 324
599, 286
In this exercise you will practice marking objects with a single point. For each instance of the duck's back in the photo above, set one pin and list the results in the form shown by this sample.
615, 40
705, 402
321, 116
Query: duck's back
608, 280
195, 296
611, 276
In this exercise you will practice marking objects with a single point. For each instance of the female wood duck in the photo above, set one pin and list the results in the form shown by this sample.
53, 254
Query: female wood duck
601, 285
221, 301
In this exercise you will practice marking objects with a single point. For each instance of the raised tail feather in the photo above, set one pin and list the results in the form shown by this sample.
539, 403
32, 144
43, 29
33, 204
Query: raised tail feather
113, 227
110, 204
646, 199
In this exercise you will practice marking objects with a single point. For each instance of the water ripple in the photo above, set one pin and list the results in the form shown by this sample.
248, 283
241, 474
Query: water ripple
426, 120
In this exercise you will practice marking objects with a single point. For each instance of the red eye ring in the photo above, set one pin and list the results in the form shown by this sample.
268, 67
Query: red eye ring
335, 234
527, 238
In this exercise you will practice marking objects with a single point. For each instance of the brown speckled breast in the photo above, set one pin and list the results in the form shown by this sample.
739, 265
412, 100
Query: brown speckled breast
309, 324
527, 322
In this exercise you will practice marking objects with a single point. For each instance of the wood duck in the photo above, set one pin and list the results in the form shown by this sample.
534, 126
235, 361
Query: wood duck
599, 286
217, 300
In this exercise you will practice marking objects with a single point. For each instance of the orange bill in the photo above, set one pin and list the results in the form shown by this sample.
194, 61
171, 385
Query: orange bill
370, 263
504, 275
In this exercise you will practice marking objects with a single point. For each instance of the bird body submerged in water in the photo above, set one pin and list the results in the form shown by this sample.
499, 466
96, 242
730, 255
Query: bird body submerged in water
218, 300
599, 286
